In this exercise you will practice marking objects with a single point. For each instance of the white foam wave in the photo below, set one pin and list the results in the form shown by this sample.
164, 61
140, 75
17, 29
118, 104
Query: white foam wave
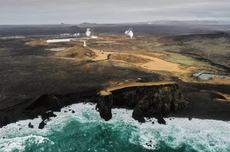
19, 143
200, 135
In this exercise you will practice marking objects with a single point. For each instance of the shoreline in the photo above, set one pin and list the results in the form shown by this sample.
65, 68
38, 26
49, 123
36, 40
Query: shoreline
201, 105
85, 120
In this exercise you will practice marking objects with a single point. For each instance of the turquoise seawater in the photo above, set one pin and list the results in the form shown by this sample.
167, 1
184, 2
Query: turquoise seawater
85, 131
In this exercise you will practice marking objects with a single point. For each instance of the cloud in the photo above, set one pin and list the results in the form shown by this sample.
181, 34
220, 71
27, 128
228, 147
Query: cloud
196, 10
104, 11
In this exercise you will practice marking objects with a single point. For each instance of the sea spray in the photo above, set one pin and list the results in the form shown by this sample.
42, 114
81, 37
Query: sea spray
84, 130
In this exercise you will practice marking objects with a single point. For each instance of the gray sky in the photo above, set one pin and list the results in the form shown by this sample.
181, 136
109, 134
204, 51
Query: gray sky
110, 11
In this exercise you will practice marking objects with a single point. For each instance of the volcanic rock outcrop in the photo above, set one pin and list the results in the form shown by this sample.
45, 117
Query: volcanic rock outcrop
147, 100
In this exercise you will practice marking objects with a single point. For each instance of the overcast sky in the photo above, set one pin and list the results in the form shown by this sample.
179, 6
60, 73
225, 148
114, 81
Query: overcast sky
110, 11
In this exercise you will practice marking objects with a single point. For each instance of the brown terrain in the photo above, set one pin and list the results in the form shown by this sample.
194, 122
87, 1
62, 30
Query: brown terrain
199, 63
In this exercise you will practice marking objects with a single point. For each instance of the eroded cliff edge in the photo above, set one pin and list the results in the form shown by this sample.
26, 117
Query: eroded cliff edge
152, 99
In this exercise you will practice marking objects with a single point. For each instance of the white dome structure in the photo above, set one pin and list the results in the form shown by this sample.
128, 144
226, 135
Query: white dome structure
88, 32
129, 33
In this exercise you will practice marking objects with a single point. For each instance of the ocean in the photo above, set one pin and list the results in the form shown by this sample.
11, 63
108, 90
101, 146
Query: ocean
79, 128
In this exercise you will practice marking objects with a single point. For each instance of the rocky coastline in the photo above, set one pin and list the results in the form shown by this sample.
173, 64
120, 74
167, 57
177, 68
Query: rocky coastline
146, 99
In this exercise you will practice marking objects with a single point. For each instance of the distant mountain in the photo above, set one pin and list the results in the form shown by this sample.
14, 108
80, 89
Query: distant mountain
211, 22
159, 22
86, 24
